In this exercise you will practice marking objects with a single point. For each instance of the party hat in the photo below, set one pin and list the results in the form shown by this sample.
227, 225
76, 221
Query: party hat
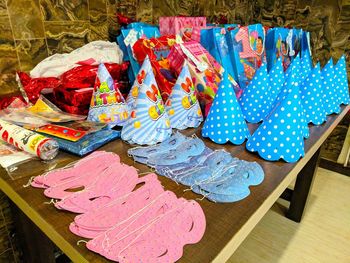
182, 105
148, 122
312, 97
294, 68
277, 79
140, 77
293, 82
330, 104
280, 136
107, 103
254, 102
306, 64
341, 79
225, 121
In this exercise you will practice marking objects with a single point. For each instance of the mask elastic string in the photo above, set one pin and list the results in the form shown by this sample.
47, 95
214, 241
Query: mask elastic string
81, 241
52, 201
31, 179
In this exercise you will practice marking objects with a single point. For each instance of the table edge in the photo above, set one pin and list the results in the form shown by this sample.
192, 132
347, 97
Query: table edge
239, 237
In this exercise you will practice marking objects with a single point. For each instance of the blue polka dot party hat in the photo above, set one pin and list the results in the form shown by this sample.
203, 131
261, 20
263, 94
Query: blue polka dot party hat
341, 80
312, 97
254, 102
294, 68
225, 121
331, 104
107, 103
149, 122
306, 64
280, 136
277, 79
182, 105
140, 77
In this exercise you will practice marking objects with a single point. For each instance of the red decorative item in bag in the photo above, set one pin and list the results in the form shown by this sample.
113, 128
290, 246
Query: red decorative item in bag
34, 86
157, 49
124, 20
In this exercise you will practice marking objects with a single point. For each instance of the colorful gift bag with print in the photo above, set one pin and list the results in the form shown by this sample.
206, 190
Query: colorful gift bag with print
246, 47
130, 36
177, 25
205, 70
214, 40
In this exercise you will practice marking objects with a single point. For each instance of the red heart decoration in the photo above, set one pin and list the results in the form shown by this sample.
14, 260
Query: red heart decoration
151, 96
185, 88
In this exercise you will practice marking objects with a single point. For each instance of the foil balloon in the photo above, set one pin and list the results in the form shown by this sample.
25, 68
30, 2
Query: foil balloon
182, 105
107, 103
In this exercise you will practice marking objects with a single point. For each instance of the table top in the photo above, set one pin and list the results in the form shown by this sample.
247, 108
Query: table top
227, 224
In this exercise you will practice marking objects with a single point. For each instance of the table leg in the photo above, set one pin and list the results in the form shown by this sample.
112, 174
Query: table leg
36, 246
303, 186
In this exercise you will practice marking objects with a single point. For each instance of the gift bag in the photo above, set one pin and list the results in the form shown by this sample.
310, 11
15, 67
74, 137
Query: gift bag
157, 49
214, 40
205, 70
130, 36
247, 52
176, 25
285, 43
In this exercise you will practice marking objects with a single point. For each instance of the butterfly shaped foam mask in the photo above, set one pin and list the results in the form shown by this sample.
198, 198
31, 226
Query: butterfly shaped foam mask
94, 222
280, 136
341, 81
277, 79
183, 152
254, 103
136, 219
141, 154
182, 105
148, 123
312, 97
113, 184
107, 103
140, 77
225, 121
330, 99
163, 238
98, 160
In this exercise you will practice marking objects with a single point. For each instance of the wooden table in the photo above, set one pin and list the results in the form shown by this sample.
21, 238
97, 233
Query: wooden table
227, 224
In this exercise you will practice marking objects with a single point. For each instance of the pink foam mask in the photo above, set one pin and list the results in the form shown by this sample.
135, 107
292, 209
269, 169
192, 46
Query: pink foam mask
97, 161
114, 184
92, 223
142, 217
70, 187
163, 239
